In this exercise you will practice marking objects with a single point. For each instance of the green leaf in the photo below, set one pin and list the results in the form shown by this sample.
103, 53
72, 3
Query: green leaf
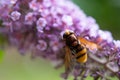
1, 55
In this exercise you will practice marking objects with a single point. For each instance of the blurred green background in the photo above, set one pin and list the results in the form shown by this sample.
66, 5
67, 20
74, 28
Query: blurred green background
106, 13
13, 66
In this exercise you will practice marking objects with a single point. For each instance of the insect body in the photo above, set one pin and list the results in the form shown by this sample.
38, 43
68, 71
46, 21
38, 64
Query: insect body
76, 48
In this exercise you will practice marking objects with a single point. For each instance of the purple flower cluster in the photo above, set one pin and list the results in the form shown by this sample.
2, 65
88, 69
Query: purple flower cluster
36, 25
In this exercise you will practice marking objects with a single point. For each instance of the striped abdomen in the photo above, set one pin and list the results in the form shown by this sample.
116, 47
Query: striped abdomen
81, 53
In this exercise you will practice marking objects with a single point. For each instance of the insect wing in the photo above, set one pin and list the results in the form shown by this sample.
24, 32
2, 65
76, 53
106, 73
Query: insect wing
68, 59
90, 45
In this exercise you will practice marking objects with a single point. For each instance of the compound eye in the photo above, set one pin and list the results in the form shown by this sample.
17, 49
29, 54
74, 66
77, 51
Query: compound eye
65, 36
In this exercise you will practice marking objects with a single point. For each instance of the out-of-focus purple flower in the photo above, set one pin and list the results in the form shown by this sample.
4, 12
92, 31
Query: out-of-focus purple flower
67, 20
106, 35
29, 18
15, 15
34, 5
13, 1
117, 43
41, 23
36, 25
42, 45
7, 2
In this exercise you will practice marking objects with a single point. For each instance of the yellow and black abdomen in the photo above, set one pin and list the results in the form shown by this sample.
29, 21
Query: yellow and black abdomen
81, 54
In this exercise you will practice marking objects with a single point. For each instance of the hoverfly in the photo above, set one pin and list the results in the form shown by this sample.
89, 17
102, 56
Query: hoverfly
76, 48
